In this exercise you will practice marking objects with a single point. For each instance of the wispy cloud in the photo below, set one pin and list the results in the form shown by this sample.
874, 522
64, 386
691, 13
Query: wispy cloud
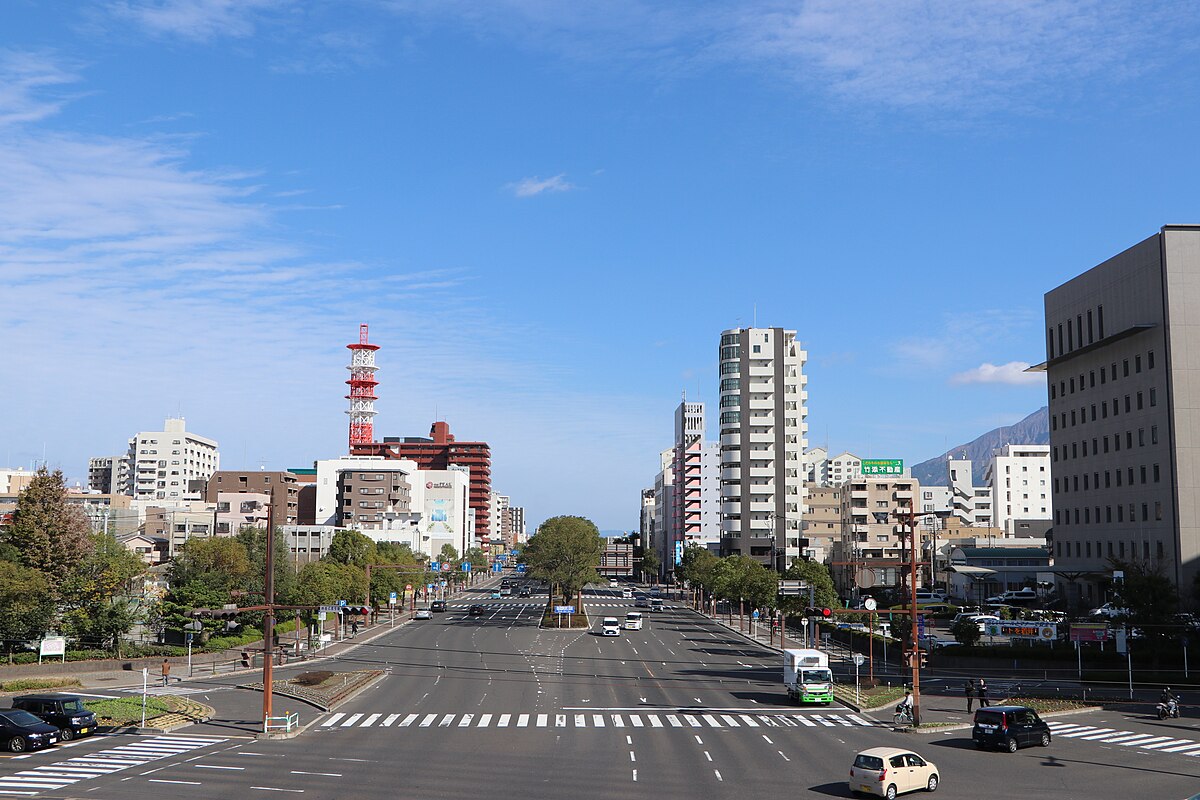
531, 187
25, 91
1013, 374
199, 20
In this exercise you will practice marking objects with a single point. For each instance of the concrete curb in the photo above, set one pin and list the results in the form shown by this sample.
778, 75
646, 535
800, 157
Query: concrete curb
341, 701
968, 726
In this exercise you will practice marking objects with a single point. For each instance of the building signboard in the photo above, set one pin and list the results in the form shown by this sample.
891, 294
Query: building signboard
1021, 629
883, 466
1090, 632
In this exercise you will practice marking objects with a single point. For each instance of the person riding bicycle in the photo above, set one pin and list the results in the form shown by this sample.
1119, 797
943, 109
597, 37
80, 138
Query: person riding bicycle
904, 709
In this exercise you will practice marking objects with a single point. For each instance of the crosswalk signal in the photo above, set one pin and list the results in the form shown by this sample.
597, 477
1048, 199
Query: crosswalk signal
820, 613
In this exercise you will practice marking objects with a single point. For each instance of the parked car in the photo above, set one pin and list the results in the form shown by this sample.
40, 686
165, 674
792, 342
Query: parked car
21, 731
889, 771
1109, 610
437, 605
1012, 595
423, 613
64, 711
981, 620
1009, 727
931, 597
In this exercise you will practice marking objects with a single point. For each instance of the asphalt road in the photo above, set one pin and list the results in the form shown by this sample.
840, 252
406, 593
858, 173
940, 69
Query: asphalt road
495, 707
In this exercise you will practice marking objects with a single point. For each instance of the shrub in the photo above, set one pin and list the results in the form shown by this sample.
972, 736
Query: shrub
29, 684
965, 632
315, 678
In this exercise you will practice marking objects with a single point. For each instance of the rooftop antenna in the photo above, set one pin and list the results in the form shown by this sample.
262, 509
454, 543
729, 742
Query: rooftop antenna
756, 315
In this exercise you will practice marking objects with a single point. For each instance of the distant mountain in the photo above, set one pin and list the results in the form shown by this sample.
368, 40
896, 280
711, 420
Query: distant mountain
1034, 429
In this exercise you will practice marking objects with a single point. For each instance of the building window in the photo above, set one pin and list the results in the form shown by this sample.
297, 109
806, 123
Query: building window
1146, 515
1158, 512
1150, 360
1108, 518
1141, 437
1139, 401
1093, 412
1070, 337
1103, 373
1155, 473
1072, 385
1143, 473
1137, 363
1125, 368
1121, 549
1153, 397
1092, 379
1127, 406
1053, 419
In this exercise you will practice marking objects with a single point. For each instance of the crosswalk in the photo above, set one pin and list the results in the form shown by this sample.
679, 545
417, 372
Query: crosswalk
627, 604
1145, 741
575, 719
60, 774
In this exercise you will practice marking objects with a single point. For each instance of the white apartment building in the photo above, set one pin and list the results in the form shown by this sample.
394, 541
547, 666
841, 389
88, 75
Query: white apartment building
695, 517
764, 430
844, 467
1019, 477
815, 463
159, 464
970, 503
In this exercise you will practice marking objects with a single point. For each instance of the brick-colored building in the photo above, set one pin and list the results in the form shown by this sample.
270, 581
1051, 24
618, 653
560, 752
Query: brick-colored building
440, 450
282, 486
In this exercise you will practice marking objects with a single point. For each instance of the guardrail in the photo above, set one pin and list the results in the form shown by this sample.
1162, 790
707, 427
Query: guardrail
287, 723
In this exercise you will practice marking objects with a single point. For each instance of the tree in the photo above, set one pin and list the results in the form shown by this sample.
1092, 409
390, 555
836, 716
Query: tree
50, 534
965, 632
352, 547
255, 542
650, 564
26, 608
220, 564
477, 557
1149, 597
565, 552
96, 607
326, 582
698, 567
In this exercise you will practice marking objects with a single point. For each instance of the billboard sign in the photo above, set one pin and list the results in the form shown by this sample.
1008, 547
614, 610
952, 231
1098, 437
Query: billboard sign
678, 553
883, 466
53, 646
1090, 632
1020, 629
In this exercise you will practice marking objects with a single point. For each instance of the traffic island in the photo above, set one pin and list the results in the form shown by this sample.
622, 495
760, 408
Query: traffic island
323, 688
556, 618
163, 714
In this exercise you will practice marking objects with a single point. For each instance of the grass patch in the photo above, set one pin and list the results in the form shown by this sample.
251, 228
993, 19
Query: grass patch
126, 710
312, 678
1045, 705
30, 684
577, 621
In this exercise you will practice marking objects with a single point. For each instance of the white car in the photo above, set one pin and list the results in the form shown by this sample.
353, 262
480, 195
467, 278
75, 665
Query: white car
423, 613
889, 771
633, 621
610, 626
1013, 594
627, 593
1109, 610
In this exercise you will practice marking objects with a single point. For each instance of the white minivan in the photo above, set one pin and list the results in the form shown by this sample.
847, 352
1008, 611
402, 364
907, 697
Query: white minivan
633, 621
611, 626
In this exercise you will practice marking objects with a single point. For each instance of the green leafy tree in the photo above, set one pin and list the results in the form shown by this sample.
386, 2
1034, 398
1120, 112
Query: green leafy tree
255, 542
219, 563
477, 557
50, 534
565, 552
965, 632
97, 609
326, 582
448, 553
650, 564
26, 607
698, 567
352, 547
1149, 596
816, 575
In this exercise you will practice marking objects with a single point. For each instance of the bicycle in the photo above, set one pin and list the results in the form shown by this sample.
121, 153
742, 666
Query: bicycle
903, 716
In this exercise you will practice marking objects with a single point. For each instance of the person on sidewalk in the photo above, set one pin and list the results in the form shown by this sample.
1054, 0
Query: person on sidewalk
166, 672
982, 691
969, 689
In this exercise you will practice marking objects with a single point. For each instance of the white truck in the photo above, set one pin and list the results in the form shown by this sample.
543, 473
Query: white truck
807, 677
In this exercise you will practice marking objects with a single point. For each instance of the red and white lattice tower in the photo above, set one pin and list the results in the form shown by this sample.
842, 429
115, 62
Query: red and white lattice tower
362, 389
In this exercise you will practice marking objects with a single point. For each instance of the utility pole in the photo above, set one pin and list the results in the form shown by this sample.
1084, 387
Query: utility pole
915, 653
269, 616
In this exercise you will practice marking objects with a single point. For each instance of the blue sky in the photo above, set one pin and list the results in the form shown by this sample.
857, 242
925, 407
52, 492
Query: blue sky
547, 212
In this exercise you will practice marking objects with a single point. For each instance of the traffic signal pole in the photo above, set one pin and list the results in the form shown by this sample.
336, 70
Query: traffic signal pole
269, 616
916, 651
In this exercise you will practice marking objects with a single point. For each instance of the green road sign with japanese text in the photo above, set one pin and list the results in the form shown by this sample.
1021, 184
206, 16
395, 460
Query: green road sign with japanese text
883, 466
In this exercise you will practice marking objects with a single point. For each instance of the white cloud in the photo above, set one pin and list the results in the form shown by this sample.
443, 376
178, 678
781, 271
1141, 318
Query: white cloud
27, 76
531, 187
200, 20
1013, 374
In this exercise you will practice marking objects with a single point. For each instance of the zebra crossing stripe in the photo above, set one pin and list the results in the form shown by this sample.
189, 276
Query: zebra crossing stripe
768, 721
822, 720
446, 720
1183, 748
523, 721
580, 721
748, 720
674, 720
597, 720
560, 720
617, 721
636, 720
409, 720
858, 720
391, 719
369, 721
429, 718
730, 721
1083, 732
1129, 738
1103, 737
711, 720
333, 720
503, 721
1166, 743
465, 722
840, 721
485, 720
353, 718
1145, 742
541, 720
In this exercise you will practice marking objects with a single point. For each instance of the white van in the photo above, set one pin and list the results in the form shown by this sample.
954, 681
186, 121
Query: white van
656, 604
611, 626
633, 621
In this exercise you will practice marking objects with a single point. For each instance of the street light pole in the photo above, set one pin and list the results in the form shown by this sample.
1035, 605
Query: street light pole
269, 616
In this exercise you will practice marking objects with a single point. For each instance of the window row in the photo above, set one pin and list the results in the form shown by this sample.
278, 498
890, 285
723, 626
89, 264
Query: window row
1101, 444
1138, 399
1090, 515
1084, 549
1071, 484
1068, 386
1075, 333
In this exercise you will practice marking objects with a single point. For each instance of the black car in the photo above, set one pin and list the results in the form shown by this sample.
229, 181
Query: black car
64, 711
437, 605
21, 731
476, 611
524, 592
1009, 727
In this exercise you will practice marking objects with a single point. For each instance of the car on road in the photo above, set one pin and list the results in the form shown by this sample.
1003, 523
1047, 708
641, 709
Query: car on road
610, 626
476, 611
495, 594
627, 593
656, 604
423, 613
64, 711
1009, 727
21, 731
506, 592
890, 771
641, 601
612, 583
437, 605
633, 621
525, 592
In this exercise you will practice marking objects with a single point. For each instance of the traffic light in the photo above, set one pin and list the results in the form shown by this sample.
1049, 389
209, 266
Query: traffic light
924, 658
821, 613
246, 659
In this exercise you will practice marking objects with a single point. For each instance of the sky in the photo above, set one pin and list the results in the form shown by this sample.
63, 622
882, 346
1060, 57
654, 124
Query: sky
547, 212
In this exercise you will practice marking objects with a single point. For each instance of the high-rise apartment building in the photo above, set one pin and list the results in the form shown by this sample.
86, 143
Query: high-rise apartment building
441, 451
282, 487
763, 437
159, 464
873, 512
695, 517
1123, 380
105, 474
1019, 477
970, 503
664, 501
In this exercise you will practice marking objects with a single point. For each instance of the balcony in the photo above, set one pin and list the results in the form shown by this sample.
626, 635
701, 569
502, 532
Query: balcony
731, 440
731, 474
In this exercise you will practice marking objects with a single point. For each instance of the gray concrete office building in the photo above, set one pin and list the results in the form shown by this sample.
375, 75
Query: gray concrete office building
1123, 379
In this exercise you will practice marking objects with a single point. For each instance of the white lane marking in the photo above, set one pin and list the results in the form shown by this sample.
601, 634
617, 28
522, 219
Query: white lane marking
730, 721
597, 720
409, 720
465, 722
523, 721
617, 721
706, 755
1130, 737
580, 721
429, 718
369, 721
542, 720
748, 720
1169, 742
785, 758
1182, 748
275, 789
333, 720
164, 780
1145, 742
390, 720
1085, 731
711, 720
655, 722
636, 720
674, 720
767, 738
326, 774
635, 774
353, 718
214, 766
503, 721
632, 757
446, 720
717, 772
484, 720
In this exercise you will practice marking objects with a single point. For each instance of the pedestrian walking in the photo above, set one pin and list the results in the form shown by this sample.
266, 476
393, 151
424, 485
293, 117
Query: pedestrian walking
982, 691
166, 672
969, 689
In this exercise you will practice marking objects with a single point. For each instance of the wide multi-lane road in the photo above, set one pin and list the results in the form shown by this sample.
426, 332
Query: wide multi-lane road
492, 706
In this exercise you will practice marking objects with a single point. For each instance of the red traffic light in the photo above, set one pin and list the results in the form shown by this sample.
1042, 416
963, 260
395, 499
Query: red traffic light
823, 613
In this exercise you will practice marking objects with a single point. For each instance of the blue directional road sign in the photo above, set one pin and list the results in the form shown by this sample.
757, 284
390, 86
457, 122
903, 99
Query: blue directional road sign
497, 567
755, 614
466, 566
341, 602
564, 609
434, 566
520, 567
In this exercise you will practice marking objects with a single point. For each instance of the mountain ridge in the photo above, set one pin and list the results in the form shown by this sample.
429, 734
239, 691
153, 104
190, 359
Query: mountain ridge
1034, 429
